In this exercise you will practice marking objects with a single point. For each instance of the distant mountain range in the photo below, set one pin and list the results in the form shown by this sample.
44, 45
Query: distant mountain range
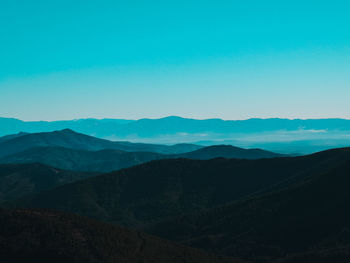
147, 128
51, 236
74, 151
278, 135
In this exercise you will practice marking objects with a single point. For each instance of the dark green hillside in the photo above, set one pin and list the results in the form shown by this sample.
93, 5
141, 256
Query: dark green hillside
166, 188
17, 180
38, 236
307, 222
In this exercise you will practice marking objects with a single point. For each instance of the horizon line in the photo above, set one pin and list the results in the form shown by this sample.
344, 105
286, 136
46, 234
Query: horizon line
180, 117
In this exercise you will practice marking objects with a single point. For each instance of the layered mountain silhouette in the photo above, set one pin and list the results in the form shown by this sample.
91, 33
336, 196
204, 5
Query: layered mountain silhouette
78, 152
17, 180
171, 125
160, 189
48, 236
69, 139
277, 135
251, 204
279, 210
95, 127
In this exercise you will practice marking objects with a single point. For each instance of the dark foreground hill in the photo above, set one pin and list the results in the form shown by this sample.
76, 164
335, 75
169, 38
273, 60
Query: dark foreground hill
17, 180
37, 236
160, 189
306, 222
73, 140
110, 160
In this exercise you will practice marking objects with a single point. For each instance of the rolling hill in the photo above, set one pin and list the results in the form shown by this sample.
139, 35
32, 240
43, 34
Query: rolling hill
46, 236
17, 180
161, 189
110, 160
82, 160
73, 140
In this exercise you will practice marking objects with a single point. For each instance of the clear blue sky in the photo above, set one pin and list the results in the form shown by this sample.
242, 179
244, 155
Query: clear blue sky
132, 59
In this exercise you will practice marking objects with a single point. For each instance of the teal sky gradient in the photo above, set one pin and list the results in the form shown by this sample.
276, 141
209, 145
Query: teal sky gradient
201, 59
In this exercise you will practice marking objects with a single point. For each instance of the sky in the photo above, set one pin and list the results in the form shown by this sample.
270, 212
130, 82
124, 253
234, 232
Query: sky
199, 59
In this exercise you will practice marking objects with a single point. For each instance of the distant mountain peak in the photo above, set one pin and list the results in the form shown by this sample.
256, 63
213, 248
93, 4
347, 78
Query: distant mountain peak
67, 131
174, 117
223, 146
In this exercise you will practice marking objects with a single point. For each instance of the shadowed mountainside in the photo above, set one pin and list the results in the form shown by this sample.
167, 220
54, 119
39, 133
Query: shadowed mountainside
81, 160
46, 236
160, 189
110, 160
306, 222
21, 179
11, 136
